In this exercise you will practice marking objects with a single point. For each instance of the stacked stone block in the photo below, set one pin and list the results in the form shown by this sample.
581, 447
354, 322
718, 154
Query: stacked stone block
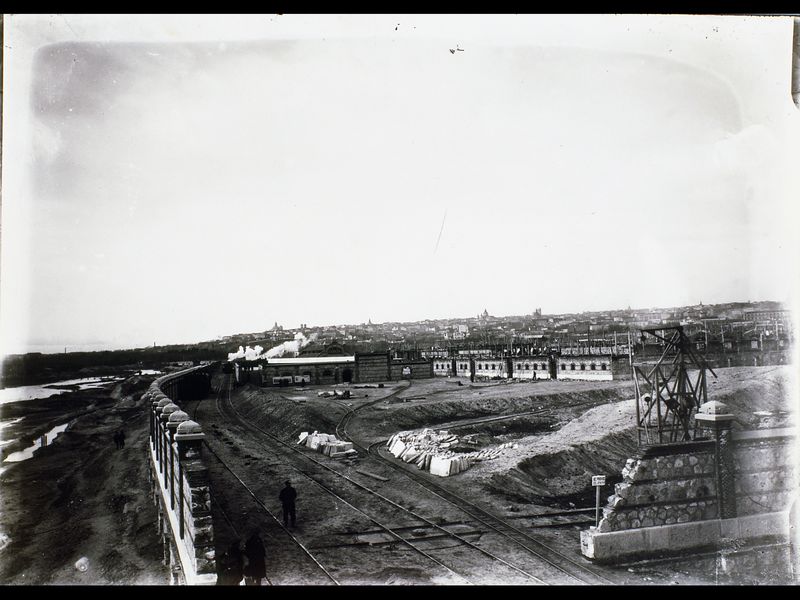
681, 487
662, 490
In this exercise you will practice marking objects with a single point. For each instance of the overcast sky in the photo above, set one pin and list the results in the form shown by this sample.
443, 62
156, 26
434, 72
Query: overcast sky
175, 179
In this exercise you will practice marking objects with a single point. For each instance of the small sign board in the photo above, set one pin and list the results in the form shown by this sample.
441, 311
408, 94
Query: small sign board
598, 480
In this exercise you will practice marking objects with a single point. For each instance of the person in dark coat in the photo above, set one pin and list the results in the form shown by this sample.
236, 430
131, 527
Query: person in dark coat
121, 438
256, 569
232, 565
117, 440
287, 497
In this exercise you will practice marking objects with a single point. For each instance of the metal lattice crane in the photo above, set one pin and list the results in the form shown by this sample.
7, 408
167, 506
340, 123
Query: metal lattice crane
666, 394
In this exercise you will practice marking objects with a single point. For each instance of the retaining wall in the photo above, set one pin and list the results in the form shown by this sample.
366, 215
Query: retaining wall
179, 477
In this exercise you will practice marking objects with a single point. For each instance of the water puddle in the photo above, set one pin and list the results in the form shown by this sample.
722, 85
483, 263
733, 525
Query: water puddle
38, 392
28, 452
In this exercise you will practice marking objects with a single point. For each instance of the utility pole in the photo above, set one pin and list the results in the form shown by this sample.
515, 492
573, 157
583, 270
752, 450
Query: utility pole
775, 324
630, 350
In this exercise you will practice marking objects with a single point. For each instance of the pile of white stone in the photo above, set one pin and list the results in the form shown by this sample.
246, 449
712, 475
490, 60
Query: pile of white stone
430, 451
327, 444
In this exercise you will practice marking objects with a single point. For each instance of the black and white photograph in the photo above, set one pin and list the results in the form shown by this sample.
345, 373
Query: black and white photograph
399, 300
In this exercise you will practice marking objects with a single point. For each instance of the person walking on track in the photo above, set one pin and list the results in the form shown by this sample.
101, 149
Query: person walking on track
287, 497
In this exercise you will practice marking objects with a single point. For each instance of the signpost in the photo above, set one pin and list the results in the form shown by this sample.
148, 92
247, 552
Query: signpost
598, 481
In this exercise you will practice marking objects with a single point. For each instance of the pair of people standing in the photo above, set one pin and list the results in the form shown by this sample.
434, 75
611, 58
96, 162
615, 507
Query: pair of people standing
233, 562
254, 572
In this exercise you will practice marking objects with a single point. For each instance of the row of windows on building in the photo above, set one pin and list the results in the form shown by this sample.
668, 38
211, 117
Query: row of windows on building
527, 367
592, 366
479, 367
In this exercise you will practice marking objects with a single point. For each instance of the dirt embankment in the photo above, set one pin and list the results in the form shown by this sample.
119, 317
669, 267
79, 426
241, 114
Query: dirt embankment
559, 466
281, 415
747, 390
556, 407
81, 497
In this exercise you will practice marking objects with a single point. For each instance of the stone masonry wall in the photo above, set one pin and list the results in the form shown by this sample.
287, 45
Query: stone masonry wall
766, 472
661, 490
200, 520
676, 483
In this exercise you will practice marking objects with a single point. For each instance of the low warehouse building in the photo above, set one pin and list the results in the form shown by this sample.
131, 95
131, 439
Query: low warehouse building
380, 366
531, 367
330, 370
587, 367
317, 370
442, 367
491, 368
463, 368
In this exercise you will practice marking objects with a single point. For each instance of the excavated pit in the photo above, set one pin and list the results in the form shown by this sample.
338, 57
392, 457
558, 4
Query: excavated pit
572, 430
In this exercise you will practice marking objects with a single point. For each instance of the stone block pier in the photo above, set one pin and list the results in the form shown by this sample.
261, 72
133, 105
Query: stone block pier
685, 497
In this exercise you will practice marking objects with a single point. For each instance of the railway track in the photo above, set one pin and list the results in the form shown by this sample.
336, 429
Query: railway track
345, 420
490, 523
560, 561
263, 507
582, 573
317, 479
266, 510
309, 556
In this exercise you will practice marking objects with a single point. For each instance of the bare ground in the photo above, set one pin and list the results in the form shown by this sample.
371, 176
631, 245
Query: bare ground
80, 496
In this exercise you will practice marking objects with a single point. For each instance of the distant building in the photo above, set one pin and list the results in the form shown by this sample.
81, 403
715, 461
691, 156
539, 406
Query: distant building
782, 315
587, 367
327, 370
491, 368
532, 367
442, 367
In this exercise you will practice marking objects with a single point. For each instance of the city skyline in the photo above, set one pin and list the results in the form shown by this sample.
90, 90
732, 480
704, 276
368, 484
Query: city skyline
287, 328
182, 179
